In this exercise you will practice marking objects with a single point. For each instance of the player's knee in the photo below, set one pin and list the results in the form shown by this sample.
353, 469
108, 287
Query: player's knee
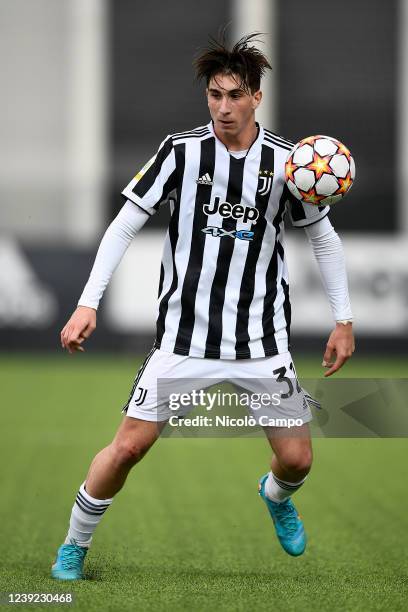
298, 463
128, 452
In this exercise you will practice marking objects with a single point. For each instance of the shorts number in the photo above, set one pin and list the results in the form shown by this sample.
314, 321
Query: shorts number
280, 372
298, 387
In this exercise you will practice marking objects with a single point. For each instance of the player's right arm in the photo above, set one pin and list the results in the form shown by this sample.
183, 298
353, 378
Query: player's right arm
146, 191
111, 250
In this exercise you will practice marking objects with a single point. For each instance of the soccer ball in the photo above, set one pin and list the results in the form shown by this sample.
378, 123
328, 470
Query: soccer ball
319, 170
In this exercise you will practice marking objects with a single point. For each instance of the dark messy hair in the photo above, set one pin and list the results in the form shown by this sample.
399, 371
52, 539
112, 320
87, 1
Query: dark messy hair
243, 60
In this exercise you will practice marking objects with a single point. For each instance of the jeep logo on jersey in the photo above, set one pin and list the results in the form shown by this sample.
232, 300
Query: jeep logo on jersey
220, 232
236, 211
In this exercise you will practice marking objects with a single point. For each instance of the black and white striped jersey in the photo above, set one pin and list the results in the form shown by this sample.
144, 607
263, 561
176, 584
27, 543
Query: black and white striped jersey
223, 290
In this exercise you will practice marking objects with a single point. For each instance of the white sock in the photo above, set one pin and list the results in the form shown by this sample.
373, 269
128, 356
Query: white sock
85, 516
279, 490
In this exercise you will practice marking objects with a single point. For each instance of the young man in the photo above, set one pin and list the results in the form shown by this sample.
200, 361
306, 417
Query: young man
224, 310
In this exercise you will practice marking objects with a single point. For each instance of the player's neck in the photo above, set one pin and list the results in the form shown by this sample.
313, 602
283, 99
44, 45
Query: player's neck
241, 141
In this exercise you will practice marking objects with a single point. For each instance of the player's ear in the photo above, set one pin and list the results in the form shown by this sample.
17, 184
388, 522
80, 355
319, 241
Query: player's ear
256, 99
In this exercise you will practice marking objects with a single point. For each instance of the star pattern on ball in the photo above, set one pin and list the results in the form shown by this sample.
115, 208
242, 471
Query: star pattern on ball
343, 149
311, 197
289, 169
320, 165
345, 184
310, 140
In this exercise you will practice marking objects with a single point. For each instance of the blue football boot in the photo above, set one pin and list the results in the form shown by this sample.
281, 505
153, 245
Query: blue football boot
289, 527
69, 562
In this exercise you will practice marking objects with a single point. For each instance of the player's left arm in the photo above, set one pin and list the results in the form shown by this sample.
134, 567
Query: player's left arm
329, 254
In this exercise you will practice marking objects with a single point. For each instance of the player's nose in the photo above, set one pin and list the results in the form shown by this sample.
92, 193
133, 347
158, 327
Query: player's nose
224, 106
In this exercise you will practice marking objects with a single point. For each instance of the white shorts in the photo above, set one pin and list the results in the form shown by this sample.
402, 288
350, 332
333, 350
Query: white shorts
164, 376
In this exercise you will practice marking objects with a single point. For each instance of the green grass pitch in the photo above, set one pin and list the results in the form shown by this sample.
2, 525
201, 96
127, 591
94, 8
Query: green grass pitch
188, 531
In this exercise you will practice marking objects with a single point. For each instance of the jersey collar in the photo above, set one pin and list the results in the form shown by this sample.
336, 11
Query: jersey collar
255, 147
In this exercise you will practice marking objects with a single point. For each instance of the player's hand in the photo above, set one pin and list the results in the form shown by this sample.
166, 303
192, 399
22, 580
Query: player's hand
79, 327
339, 348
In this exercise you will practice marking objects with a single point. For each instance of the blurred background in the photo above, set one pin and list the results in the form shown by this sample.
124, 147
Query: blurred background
91, 88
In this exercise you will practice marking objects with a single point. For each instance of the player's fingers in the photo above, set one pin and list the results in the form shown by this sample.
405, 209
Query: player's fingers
341, 359
77, 332
76, 346
74, 334
73, 344
69, 336
86, 332
63, 330
64, 337
67, 329
328, 356
65, 342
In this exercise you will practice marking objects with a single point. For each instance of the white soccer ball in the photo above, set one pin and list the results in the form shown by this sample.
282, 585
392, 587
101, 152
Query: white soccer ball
319, 170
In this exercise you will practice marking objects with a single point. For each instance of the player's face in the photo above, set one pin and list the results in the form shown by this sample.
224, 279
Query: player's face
231, 107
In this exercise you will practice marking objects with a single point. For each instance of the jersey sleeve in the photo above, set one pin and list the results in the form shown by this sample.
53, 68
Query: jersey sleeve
154, 182
302, 215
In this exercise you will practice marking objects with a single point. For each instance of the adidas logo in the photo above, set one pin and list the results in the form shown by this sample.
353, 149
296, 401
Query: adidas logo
204, 180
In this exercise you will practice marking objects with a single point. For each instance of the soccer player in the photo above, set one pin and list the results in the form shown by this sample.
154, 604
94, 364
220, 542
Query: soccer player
223, 305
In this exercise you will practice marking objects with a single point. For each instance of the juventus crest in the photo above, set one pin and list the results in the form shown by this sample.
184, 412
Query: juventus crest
265, 180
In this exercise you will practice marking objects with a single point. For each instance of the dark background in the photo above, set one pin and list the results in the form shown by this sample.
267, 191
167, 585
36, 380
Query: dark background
337, 72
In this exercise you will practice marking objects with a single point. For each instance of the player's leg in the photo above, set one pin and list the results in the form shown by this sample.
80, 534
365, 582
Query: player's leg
110, 467
290, 465
147, 412
106, 476
275, 378
109, 470
291, 462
